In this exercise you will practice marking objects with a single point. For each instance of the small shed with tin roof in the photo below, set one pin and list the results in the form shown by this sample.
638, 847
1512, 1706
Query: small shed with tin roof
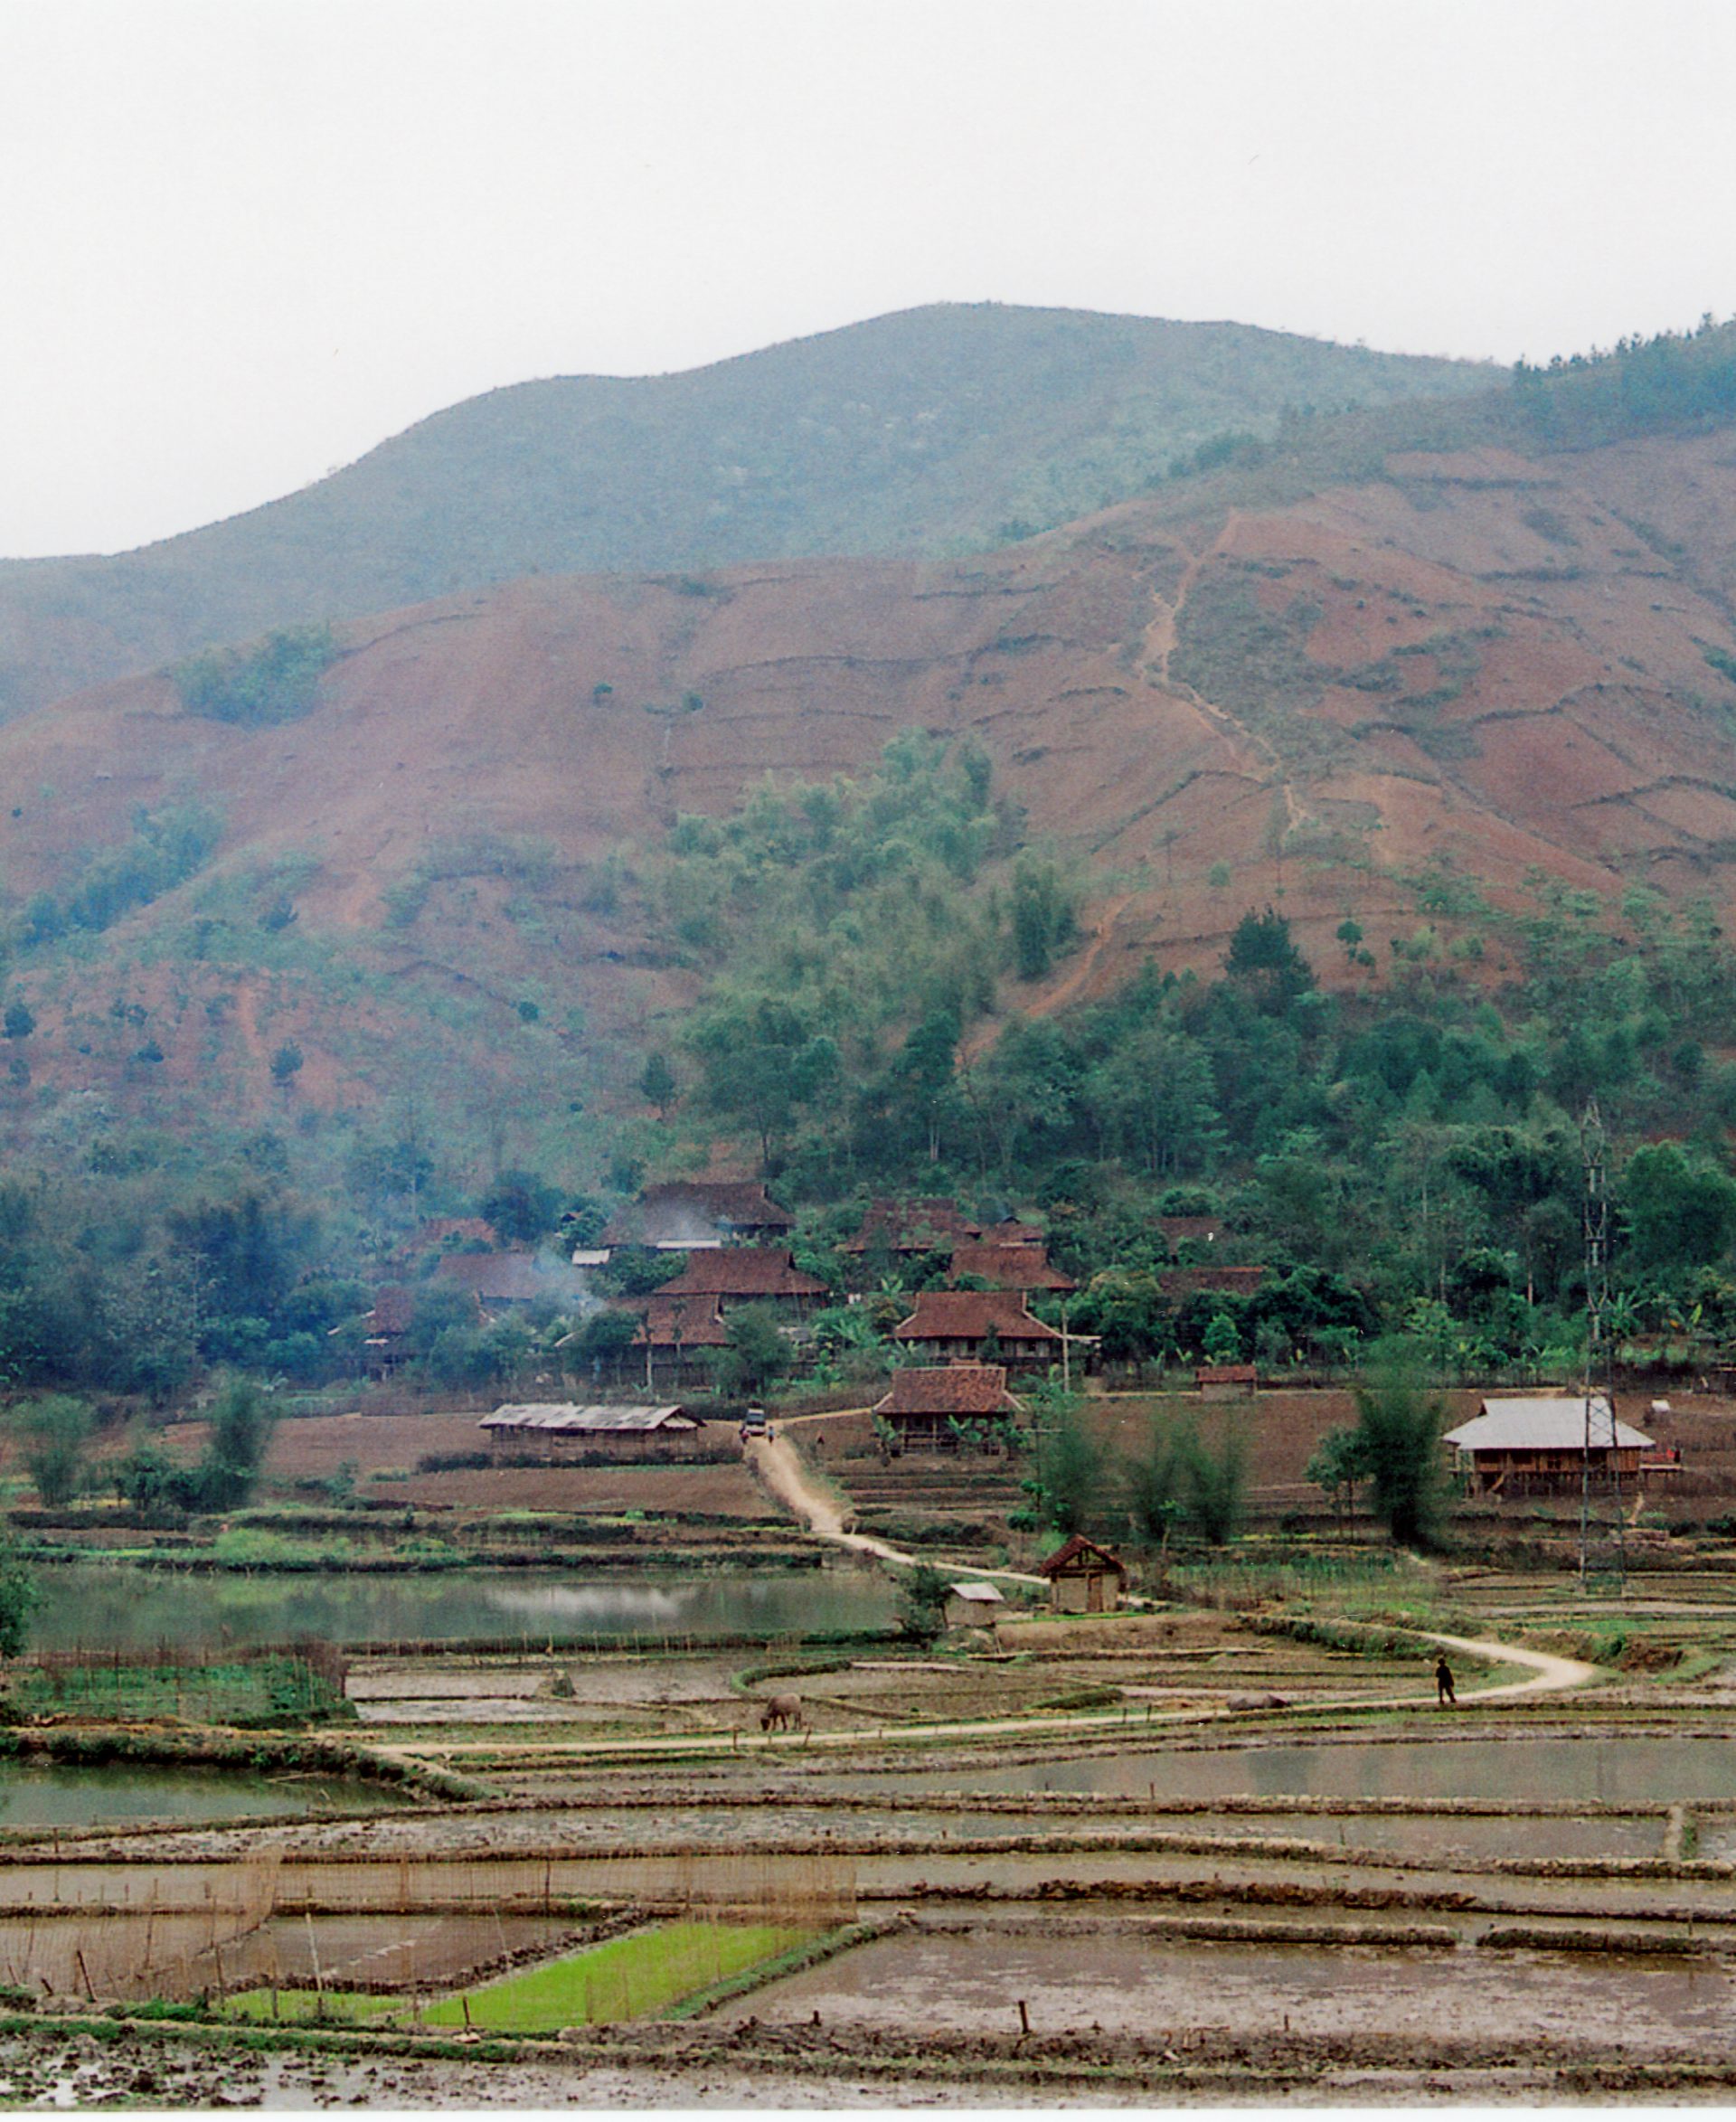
973, 1605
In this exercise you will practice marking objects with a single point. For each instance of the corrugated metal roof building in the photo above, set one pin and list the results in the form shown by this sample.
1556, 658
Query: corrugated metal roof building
1539, 1446
556, 1423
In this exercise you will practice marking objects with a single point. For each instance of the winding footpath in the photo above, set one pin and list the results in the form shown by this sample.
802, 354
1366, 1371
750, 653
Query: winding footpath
781, 1467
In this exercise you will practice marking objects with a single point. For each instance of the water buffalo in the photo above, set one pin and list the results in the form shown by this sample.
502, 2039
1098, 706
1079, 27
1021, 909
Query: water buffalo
782, 1713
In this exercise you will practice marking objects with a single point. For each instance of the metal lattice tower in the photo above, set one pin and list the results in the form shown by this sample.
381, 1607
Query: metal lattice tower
1603, 1549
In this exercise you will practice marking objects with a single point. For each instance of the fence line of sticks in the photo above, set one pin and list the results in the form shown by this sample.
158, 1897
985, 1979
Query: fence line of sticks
176, 1930
328, 1660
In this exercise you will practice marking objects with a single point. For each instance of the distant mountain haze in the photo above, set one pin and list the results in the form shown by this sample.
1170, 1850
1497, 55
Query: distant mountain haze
934, 431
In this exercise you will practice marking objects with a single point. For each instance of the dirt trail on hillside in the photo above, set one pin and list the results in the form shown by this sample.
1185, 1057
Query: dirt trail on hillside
1057, 997
1159, 646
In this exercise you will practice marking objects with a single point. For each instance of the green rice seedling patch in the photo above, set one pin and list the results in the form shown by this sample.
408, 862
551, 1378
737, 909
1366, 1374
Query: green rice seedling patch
624, 1978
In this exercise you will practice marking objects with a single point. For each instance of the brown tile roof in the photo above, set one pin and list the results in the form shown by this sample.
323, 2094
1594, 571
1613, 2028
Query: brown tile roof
1222, 1281
699, 1209
744, 1271
949, 1388
1081, 1554
1009, 1230
510, 1277
681, 1322
1227, 1374
1010, 1266
394, 1308
1177, 1228
967, 1314
927, 1225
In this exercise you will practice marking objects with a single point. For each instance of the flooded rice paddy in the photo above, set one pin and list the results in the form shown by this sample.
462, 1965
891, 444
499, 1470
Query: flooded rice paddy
46, 1794
117, 1606
973, 1981
1599, 1769
182, 1952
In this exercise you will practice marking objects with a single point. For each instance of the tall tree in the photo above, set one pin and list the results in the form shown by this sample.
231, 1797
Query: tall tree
1399, 1423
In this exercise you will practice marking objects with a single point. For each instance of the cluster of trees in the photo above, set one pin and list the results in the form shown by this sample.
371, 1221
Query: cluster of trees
165, 848
1176, 1481
54, 1433
223, 1475
273, 680
1675, 380
126, 1275
830, 918
1404, 1157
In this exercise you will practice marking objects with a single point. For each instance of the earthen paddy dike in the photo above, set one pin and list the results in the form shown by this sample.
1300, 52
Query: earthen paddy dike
1158, 1897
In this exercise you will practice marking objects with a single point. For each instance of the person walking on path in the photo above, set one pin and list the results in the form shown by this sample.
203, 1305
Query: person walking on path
1444, 1682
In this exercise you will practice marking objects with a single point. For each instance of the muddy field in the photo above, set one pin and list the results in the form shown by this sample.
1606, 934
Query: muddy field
1187, 1854
974, 1980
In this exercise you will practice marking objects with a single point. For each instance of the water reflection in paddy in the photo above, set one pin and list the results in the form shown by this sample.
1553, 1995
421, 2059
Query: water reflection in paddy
1624, 1771
44, 1794
117, 1606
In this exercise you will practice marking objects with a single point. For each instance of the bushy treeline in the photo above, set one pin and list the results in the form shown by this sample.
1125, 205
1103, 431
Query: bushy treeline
830, 916
165, 848
131, 1277
1674, 380
272, 680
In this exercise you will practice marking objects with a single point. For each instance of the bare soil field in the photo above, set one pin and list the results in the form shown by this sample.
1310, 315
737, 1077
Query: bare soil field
384, 1451
726, 1491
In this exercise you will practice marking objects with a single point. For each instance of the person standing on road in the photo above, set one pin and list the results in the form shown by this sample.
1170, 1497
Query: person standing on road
1444, 1682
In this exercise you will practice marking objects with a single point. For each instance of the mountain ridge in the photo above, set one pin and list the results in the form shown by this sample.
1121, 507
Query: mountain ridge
944, 428
1395, 704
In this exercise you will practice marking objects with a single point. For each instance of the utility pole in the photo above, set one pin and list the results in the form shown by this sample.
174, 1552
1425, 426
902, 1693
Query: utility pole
1600, 1426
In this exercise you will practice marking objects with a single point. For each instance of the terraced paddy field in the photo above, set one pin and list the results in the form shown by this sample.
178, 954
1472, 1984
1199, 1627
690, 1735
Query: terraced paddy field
1183, 1855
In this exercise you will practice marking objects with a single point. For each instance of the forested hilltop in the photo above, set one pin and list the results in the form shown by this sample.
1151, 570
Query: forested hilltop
1304, 865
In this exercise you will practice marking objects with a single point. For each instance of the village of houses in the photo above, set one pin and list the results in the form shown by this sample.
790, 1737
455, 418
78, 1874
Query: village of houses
995, 1798
963, 1358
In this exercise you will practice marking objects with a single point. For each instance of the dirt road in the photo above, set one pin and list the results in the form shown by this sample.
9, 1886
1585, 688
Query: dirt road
784, 1472
781, 1467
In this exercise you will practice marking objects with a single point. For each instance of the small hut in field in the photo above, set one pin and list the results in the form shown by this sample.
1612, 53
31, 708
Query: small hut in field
973, 1605
1084, 1577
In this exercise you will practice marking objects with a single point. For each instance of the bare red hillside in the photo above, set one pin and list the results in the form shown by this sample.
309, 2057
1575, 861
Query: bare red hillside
1477, 663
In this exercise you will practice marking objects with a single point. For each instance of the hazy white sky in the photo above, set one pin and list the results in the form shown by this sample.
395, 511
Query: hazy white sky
245, 240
